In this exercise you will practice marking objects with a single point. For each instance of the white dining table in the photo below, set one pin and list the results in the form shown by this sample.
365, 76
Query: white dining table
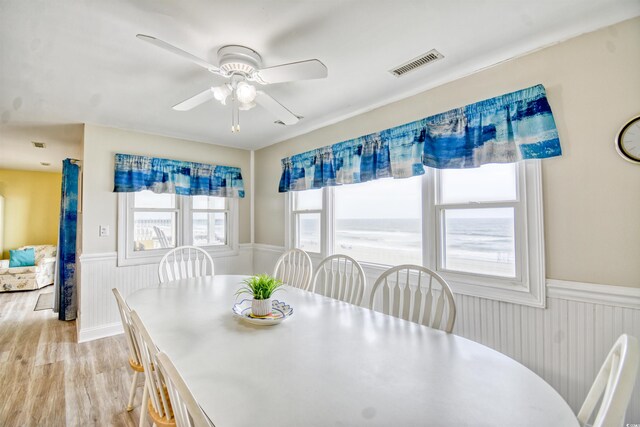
335, 364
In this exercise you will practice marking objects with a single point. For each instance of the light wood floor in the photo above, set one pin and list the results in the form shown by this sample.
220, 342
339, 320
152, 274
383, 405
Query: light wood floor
47, 379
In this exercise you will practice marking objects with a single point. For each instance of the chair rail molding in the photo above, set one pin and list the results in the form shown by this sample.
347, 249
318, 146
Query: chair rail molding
618, 296
98, 272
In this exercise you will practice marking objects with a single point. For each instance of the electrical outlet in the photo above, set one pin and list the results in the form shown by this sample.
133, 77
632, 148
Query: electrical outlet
104, 230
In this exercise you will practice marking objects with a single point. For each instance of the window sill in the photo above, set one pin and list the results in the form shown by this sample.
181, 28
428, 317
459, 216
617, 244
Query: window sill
147, 259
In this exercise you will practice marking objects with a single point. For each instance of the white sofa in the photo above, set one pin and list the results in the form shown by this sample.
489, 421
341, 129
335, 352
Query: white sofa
28, 278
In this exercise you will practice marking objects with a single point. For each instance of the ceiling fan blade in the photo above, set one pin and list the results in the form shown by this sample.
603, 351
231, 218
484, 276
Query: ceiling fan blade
194, 101
186, 55
303, 70
275, 108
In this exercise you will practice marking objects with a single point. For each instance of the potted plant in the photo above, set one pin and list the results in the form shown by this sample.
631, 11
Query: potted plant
261, 287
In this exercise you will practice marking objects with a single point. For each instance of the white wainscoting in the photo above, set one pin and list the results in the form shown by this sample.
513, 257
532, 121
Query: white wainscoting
565, 343
98, 316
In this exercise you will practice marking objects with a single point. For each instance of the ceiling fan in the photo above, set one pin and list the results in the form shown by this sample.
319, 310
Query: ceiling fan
243, 66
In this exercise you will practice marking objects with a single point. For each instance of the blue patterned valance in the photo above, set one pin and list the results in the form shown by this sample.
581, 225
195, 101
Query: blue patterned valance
505, 129
137, 173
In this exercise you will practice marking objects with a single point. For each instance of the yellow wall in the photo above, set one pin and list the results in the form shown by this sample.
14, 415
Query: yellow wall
31, 208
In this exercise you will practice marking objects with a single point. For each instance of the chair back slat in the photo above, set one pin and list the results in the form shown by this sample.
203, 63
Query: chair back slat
294, 268
185, 262
125, 316
415, 293
148, 351
340, 277
613, 385
186, 411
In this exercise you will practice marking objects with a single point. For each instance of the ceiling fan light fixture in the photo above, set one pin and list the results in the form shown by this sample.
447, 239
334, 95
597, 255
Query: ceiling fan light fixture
221, 93
246, 106
245, 93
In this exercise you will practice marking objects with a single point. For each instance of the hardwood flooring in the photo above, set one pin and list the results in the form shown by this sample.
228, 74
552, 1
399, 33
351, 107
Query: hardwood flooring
47, 379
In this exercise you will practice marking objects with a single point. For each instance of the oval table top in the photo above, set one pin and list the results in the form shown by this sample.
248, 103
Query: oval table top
335, 364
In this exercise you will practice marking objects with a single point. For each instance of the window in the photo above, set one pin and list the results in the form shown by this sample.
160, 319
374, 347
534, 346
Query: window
307, 219
149, 224
481, 228
208, 221
476, 210
379, 221
155, 220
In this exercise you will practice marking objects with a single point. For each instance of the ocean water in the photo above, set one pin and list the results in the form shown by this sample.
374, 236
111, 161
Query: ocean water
483, 245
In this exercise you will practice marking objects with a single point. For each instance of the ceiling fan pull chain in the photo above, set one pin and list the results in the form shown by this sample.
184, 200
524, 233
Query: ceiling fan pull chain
235, 115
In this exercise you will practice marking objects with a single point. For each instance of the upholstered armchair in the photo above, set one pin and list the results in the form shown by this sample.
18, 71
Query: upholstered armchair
28, 278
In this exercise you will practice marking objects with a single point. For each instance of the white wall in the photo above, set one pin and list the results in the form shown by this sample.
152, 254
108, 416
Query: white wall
98, 271
591, 195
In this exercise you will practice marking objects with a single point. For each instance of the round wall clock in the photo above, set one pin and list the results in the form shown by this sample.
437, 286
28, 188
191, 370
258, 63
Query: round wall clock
628, 141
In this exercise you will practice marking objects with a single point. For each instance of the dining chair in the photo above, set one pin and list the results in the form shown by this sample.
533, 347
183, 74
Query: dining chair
186, 410
185, 262
417, 294
134, 352
294, 268
155, 397
613, 385
340, 277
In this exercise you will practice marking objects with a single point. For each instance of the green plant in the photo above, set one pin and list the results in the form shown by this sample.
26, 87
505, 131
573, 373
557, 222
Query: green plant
261, 286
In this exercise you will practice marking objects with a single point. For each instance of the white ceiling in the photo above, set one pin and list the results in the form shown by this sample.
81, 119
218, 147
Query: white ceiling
77, 61
17, 152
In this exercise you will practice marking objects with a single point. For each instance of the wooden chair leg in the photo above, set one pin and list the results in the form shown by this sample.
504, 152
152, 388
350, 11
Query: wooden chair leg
132, 391
143, 407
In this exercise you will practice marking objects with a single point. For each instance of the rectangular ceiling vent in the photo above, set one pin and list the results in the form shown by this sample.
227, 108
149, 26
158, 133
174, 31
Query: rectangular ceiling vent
37, 144
422, 60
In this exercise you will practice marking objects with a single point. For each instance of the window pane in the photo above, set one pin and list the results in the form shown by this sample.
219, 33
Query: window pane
149, 199
153, 230
207, 202
209, 228
307, 200
489, 183
480, 241
379, 221
308, 232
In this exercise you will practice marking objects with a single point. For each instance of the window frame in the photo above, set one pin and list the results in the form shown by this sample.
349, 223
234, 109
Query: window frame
527, 288
127, 256
189, 210
292, 214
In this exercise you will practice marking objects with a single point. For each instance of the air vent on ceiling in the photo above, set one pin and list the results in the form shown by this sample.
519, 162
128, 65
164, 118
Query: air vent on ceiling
45, 163
37, 144
415, 63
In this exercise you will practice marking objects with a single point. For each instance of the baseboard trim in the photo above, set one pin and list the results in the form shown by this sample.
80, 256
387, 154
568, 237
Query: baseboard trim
95, 333
594, 293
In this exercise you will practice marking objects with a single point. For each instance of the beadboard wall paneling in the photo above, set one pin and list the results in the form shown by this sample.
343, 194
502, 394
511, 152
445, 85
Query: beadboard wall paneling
565, 344
98, 316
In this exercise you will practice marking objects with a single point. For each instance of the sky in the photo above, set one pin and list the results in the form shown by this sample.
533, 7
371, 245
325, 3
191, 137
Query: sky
402, 198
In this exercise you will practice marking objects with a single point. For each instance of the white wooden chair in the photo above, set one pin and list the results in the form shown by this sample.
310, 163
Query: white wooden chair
134, 352
155, 397
294, 268
340, 277
185, 262
162, 238
186, 410
613, 385
417, 294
